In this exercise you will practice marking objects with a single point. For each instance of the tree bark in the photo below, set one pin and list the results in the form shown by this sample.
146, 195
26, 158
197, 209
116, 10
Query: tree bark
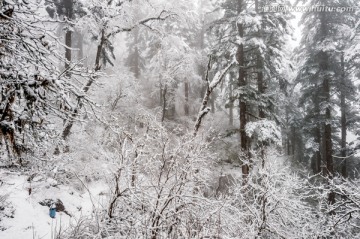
68, 43
231, 107
329, 167
324, 66
343, 118
242, 104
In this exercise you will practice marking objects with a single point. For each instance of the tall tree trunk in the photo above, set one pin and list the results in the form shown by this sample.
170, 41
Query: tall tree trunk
343, 118
68, 44
171, 107
68, 35
242, 104
328, 141
327, 147
317, 158
324, 67
260, 84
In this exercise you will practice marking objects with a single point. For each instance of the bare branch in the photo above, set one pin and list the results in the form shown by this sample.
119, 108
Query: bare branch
142, 22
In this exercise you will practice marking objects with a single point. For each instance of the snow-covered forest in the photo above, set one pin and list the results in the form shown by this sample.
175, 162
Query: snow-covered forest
179, 119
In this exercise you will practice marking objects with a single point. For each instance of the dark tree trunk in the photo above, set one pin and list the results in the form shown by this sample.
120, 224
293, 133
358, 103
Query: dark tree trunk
163, 101
327, 140
328, 146
242, 104
68, 43
288, 135
324, 67
317, 156
231, 107
186, 105
68, 35
295, 141
343, 118
260, 82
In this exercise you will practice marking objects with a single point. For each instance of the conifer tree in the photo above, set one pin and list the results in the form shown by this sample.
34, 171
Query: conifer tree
325, 85
260, 42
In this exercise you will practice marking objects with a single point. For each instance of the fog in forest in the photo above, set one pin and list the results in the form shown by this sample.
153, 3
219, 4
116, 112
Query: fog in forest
179, 119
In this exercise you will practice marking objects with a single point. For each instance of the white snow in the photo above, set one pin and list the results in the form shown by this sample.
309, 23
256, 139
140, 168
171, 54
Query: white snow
32, 220
265, 130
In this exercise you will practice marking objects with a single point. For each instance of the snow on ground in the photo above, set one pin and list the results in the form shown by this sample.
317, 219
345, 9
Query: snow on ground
32, 220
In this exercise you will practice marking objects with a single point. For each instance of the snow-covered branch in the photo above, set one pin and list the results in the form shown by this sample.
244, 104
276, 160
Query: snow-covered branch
210, 88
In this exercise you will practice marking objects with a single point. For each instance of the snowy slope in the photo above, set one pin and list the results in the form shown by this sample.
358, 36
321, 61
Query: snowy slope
30, 219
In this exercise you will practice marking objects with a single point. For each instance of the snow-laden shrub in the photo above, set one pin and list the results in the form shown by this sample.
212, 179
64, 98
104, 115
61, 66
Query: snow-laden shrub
156, 190
271, 203
339, 219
